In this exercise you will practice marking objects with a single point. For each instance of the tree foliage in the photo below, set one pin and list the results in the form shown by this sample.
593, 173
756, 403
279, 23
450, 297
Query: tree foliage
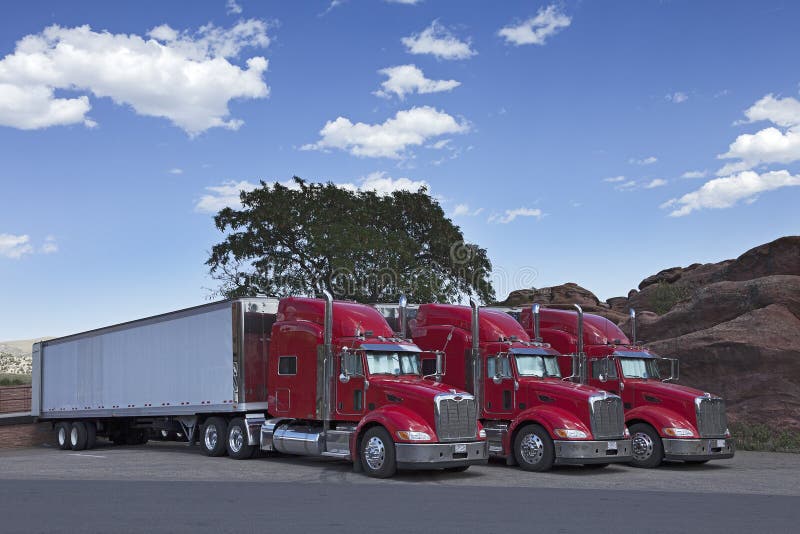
359, 245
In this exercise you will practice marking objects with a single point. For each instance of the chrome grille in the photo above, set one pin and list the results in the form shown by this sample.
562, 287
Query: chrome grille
608, 419
456, 417
712, 422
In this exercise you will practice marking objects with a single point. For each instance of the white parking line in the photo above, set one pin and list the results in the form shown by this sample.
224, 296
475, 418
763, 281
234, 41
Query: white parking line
87, 455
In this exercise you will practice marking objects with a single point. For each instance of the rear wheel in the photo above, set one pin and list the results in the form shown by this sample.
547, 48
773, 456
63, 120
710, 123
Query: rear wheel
533, 449
212, 436
62, 436
377, 453
238, 448
78, 436
648, 451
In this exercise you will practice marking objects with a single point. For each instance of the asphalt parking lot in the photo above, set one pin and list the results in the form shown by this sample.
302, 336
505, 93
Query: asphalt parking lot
175, 488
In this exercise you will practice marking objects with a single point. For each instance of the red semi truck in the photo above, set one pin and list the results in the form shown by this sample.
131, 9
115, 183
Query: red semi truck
532, 416
298, 376
667, 421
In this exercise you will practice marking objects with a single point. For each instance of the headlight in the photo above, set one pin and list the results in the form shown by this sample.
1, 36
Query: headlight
570, 433
482, 433
408, 435
678, 432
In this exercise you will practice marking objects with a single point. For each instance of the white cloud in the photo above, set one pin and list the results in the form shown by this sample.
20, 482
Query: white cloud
233, 8
464, 210
15, 246
227, 194
511, 215
440, 144
728, 191
176, 171
677, 97
184, 77
536, 30
411, 127
614, 179
50, 246
406, 2
626, 186
439, 41
694, 174
408, 79
644, 161
657, 182
781, 111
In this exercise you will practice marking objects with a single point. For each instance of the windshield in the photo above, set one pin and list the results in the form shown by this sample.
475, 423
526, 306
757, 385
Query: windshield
393, 363
639, 368
540, 366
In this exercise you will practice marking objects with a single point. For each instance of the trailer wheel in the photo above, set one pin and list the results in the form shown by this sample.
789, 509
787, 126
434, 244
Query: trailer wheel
238, 448
377, 453
533, 449
91, 434
648, 451
62, 436
78, 436
212, 436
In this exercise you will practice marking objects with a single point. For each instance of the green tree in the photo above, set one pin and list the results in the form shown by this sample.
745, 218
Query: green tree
359, 245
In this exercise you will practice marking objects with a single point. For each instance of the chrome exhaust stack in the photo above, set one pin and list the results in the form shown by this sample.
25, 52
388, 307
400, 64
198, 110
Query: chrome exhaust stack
633, 325
401, 311
581, 357
327, 352
475, 355
537, 335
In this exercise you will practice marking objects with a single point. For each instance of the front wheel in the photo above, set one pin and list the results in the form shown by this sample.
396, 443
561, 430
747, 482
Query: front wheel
377, 453
648, 450
533, 449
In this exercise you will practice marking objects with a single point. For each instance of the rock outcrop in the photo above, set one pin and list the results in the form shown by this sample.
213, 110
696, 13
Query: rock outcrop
734, 325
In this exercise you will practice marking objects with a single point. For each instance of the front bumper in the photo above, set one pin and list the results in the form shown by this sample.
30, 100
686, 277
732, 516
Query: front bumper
593, 452
698, 450
440, 455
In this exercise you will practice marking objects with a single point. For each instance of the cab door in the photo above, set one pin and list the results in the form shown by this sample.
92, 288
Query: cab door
350, 382
498, 394
608, 369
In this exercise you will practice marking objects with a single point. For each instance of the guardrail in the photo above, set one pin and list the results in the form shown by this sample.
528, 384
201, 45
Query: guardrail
15, 399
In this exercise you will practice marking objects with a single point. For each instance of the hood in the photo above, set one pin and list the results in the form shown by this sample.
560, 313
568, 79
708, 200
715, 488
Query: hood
559, 388
418, 388
657, 388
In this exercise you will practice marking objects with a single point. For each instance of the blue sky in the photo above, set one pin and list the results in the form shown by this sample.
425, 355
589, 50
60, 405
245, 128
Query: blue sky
557, 135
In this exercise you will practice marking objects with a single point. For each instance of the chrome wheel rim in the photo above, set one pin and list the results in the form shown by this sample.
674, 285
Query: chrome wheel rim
210, 437
375, 453
62, 436
642, 446
73, 436
236, 439
532, 449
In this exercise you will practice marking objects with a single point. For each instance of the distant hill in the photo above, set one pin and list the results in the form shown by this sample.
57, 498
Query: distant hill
15, 356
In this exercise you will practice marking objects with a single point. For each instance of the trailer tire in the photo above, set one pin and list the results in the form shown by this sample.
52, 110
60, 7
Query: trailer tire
91, 434
212, 437
78, 436
647, 448
62, 436
534, 449
377, 453
236, 441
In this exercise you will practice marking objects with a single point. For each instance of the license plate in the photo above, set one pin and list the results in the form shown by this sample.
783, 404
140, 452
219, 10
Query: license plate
721, 443
612, 446
460, 447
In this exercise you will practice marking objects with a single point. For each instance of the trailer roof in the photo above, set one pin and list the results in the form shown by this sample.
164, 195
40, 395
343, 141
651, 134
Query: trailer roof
184, 312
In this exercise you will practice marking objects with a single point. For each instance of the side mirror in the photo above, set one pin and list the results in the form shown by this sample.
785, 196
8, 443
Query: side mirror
343, 378
499, 376
602, 377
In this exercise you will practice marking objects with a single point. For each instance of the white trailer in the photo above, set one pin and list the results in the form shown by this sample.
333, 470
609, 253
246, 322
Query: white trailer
168, 373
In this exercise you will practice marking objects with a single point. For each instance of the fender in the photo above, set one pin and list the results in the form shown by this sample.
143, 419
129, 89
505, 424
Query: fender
550, 417
393, 418
659, 417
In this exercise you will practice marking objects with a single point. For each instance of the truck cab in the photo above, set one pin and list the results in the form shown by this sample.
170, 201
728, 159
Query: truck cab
342, 384
532, 416
668, 421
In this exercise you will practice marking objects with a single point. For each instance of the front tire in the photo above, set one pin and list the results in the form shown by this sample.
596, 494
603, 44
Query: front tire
212, 436
378, 453
238, 449
648, 450
533, 449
